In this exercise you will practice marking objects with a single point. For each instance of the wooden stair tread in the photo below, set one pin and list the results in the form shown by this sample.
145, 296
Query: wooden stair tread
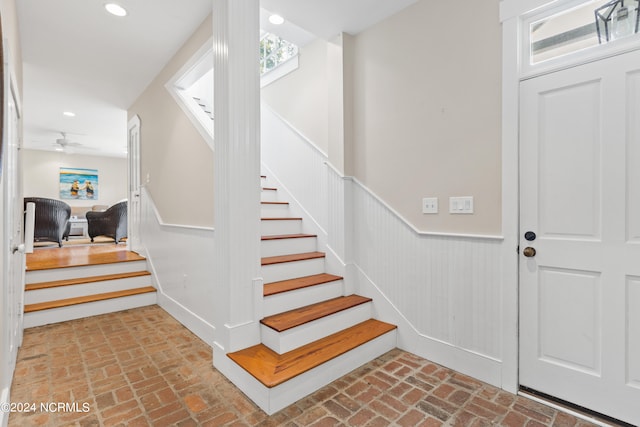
274, 203
82, 280
291, 258
269, 189
286, 218
298, 283
272, 369
88, 298
299, 316
287, 236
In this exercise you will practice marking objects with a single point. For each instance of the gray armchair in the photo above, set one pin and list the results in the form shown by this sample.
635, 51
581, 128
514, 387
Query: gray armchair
111, 223
51, 219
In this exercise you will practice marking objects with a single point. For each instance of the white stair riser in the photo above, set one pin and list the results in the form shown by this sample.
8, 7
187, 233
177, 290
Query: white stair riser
272, 400
63, 314
274, 210
296, 245
84, 289
275, 227
291, 270
285, 301
282, 342
269, 196
38, 276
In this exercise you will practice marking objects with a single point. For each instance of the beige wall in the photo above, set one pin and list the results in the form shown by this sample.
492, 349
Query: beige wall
427, 112
301, 97
41, 175
174, 157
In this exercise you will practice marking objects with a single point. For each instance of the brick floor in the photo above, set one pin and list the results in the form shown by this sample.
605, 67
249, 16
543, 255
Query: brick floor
142, 368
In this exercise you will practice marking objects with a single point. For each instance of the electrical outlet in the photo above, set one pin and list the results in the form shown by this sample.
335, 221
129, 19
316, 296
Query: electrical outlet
430, 205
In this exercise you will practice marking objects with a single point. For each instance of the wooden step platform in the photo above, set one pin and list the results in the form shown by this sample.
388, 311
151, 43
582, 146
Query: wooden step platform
29, 308
83, 280
272, 369
299, 316
274, 203
291, 258
274, 288
75, 256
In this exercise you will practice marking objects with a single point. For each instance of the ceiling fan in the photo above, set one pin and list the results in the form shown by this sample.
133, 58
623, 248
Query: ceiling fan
64, 144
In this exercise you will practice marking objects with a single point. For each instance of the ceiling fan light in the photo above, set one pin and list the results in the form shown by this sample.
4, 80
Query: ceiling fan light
69, 114
115, 9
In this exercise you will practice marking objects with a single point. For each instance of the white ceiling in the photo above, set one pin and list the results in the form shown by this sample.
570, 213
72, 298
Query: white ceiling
77, 57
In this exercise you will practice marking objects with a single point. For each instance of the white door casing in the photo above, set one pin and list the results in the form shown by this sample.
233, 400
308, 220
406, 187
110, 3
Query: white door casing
580, 195
133, 227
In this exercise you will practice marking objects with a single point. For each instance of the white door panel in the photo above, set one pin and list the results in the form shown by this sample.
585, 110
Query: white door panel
580, 194
134, 209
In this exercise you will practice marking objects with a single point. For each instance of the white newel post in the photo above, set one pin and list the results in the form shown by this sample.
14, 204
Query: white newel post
236, 175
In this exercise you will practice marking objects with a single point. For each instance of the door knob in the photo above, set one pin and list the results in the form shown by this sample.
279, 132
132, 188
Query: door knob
529, 252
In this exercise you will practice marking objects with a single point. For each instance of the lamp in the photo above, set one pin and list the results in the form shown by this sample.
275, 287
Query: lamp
617, 19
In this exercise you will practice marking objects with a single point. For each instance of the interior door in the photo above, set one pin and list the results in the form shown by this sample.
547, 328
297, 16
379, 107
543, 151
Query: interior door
580, 235
12, 251
133, 226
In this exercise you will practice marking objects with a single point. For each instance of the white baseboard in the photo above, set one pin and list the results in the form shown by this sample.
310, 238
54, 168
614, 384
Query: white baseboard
461, 360
203, 330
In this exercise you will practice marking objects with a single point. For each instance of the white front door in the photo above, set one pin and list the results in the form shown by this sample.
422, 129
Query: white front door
580, 195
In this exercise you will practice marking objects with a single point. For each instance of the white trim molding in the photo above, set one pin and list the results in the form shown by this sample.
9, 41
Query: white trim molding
197, 66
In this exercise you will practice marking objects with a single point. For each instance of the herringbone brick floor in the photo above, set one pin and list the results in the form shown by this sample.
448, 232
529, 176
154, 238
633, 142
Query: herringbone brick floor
141, 367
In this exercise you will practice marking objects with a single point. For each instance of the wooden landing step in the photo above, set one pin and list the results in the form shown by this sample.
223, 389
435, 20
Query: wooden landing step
274, 203
29, 308
274, 288
299, 316
83, 280
291, 258
284, 218
287, 236
76, 256
272, 369
269, 189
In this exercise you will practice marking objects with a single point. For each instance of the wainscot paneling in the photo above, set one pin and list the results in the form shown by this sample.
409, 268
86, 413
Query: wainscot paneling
180, 260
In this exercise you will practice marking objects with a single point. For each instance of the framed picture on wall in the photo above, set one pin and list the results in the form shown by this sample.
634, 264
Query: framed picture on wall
78, 183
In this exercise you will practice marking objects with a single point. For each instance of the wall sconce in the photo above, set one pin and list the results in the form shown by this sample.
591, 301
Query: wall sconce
617, 19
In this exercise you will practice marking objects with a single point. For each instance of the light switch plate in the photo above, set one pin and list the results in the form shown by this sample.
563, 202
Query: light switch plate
461, 205
430, 205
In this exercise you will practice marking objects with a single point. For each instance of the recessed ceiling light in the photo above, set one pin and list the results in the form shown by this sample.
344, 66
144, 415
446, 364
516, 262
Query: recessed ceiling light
115, 9
276, 19
69, 114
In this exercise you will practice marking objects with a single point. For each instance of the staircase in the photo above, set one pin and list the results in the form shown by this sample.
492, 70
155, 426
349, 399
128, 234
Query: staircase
62, 285
312, 333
